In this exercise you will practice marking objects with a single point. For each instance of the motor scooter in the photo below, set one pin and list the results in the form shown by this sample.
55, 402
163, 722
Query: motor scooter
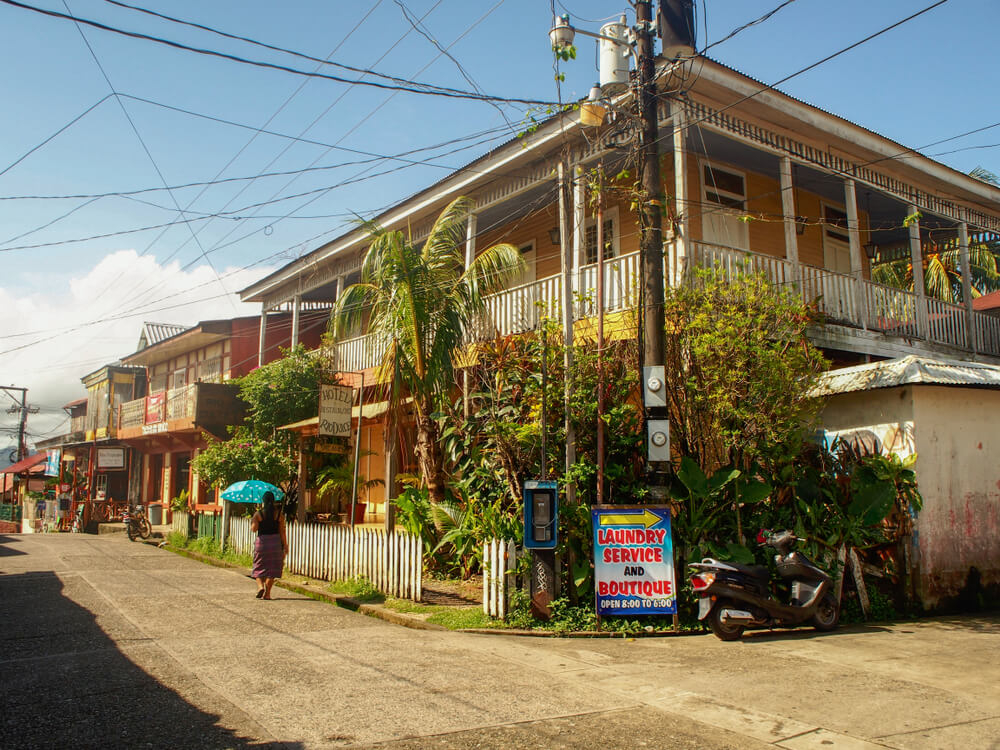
734, 596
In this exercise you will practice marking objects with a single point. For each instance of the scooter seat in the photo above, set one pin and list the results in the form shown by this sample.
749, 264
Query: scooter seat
756, 571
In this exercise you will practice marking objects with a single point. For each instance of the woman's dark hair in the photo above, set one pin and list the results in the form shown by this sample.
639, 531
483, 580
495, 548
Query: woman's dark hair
267, 511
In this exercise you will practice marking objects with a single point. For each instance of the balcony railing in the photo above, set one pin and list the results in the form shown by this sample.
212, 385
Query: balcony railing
178, 403
843, 299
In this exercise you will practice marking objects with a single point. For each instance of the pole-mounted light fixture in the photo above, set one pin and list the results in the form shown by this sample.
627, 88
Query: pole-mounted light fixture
554, 235
562, 34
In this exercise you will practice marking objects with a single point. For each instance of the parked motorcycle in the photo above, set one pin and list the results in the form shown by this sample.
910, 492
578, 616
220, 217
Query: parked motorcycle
734, 596
136, 524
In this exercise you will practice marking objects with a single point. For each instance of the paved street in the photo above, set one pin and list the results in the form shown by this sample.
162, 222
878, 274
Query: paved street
108, 643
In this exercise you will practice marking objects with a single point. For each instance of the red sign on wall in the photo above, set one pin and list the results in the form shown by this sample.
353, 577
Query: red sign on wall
154, 408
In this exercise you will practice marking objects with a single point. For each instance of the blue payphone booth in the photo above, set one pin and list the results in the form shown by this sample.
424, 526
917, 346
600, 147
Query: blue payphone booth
541, 514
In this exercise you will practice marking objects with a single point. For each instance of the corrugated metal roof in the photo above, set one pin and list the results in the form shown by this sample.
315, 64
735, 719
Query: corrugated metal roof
154, 333
989, 301
907, 371
26, 464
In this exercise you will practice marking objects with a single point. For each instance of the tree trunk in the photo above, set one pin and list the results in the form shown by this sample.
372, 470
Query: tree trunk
429, 458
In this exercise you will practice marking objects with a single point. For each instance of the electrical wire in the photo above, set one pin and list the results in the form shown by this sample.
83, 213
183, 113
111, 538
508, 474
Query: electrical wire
740, 29
274, 66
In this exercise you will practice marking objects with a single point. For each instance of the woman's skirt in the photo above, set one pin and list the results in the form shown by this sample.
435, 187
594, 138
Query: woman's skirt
268, 556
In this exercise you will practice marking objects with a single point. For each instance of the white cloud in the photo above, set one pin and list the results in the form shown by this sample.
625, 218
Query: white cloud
107, 307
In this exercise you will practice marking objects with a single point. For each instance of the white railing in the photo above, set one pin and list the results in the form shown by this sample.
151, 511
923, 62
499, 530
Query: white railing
520, 309
180, 522
621, 286
987, 332
946, 322
499, 563
330, 552
843, 299
890, 310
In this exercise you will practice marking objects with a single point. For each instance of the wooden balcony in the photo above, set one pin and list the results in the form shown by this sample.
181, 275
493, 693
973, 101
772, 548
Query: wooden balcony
199, 406
852, 307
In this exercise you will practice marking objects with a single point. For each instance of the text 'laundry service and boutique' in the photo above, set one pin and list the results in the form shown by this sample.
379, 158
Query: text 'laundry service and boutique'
633, 561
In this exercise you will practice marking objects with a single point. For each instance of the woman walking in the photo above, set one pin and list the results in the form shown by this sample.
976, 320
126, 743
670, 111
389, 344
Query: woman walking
271, 546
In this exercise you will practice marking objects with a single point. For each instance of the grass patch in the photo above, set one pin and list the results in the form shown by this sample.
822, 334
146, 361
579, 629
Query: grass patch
409, 607
359, 588
209, 547
457, 618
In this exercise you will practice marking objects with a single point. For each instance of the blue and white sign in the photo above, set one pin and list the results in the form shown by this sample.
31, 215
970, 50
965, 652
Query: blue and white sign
633, 561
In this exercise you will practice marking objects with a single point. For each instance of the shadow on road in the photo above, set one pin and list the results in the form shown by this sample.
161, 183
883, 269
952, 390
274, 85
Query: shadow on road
807, 634
66, 683
5, 546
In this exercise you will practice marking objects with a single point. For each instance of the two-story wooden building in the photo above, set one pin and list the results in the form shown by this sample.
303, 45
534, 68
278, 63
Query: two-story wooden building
753, 177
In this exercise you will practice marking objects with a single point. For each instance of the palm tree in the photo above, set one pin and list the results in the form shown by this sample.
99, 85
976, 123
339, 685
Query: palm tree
423, 301
943, 271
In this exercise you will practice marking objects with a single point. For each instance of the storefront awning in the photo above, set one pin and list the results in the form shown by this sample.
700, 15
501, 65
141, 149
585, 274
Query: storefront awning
26, 463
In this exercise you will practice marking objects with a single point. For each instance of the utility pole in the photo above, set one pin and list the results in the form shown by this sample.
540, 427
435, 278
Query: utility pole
22, 409
651, 227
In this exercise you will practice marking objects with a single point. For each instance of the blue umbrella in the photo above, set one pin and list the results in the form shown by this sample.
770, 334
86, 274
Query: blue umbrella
250, 491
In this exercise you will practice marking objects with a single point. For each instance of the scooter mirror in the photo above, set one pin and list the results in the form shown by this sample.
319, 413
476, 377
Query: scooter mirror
762, 536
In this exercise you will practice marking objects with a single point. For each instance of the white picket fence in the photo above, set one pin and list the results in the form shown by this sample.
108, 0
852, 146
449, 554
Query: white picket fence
392, 562
180, 522
499, 564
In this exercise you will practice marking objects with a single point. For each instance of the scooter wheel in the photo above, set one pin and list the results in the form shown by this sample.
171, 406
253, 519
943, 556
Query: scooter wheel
130, 532
827, 614
145, 528
724, 631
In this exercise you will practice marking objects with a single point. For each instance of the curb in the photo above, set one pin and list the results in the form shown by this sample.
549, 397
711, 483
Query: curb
315, 592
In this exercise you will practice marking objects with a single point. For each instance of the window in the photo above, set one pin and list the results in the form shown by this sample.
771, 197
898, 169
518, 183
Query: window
610, 236
158, 383
724, 201
724, 188
835, 224
527, 251
178, 379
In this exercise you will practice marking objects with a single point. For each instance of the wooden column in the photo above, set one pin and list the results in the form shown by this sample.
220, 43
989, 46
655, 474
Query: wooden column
917, 260
296, 310
682, 225
788, 214
263, 335
579, 225
854, 237
300, 508
963, 259
567, 312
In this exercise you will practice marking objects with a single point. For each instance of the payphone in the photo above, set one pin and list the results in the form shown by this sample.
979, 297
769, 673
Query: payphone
541, 514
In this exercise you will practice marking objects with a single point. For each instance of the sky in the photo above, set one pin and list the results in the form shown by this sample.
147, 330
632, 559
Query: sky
91, 113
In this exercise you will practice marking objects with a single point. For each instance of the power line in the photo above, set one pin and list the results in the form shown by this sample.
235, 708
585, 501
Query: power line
739, 29
68, 125
142, 142
305, 130
471, 95
294, 53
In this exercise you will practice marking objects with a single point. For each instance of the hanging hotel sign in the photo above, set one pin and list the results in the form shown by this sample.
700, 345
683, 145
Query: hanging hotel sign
633, 561
335, 410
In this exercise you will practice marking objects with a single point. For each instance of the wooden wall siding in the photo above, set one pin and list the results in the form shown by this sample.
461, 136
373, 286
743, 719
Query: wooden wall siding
824, 158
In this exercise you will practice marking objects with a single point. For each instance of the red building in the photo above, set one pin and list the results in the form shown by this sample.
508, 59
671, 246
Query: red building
188, 399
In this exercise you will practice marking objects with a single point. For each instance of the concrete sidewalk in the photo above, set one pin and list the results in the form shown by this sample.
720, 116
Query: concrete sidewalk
111, 643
